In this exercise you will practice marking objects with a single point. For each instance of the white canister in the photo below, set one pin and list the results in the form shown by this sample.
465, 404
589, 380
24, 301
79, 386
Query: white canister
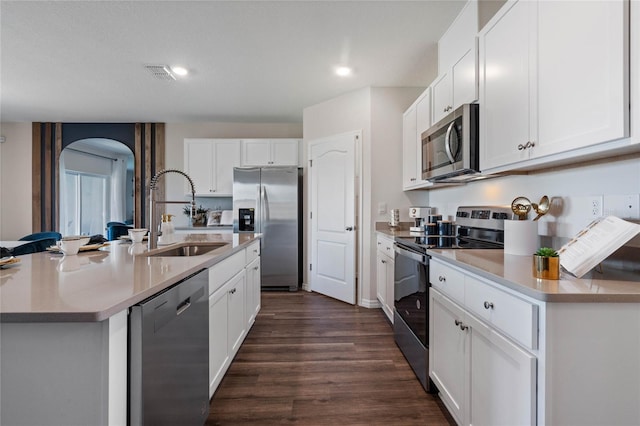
394, 217
520, 237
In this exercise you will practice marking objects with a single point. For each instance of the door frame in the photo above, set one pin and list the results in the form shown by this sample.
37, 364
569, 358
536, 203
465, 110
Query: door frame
358, 190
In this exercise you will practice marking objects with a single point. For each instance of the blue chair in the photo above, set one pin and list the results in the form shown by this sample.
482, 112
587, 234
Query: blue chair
115, 231
40, 235
34, 246
115, 223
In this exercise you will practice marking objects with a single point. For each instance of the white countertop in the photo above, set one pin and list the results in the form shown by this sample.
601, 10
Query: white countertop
515, 272
94, 285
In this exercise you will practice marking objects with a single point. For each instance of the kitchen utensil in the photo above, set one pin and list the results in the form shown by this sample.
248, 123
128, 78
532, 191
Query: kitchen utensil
521, 206
542, 208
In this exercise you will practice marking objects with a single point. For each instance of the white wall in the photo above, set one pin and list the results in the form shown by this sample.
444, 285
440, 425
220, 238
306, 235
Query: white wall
15, 181
569, 187
377, 112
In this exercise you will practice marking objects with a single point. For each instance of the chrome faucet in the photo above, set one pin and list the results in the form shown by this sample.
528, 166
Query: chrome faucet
153, 219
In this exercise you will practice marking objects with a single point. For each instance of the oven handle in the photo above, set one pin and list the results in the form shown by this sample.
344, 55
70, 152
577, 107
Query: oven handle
410, 254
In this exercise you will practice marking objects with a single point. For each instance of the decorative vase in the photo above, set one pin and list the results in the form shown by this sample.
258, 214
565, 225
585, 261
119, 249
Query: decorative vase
545, 267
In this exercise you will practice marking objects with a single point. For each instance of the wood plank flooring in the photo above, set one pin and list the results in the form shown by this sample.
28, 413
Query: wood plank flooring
311, 360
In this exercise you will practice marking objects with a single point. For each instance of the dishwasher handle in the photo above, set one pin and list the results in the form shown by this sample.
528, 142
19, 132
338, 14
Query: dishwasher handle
410, 254
183, 306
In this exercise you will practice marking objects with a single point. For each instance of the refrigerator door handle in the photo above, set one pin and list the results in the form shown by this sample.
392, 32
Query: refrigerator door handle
264, 201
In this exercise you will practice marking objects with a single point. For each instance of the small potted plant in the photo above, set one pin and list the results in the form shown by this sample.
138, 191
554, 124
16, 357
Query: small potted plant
546, 264
199, 216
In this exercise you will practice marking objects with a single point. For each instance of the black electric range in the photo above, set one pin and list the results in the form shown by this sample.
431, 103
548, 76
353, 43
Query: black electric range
476, 227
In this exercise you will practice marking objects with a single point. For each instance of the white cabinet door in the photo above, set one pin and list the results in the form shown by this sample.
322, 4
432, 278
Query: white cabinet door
506, 73
219, 358
449, 346
284, 152
210, 163
227, 156
582, 64
389, 292
442, 97
409, 149
502, 379
381, 276
198, 163
464, 76
252, 305
256, 152
237, 319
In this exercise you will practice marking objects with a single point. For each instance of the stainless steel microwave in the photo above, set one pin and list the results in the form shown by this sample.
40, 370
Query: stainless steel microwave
450, 149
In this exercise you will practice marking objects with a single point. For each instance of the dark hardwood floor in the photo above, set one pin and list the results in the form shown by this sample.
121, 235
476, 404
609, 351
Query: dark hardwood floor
311, 360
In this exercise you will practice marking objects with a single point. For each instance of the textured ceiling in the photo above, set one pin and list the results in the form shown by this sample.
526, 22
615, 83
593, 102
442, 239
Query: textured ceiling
250, 61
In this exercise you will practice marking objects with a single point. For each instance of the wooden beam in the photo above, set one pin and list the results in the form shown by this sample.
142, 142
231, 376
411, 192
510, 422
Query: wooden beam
57, 177
138, 220
46, 171
36, 175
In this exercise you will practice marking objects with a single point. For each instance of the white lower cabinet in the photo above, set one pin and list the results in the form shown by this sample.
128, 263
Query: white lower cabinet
483, 377
233, 306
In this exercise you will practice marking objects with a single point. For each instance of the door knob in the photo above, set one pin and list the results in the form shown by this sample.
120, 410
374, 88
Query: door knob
349, 228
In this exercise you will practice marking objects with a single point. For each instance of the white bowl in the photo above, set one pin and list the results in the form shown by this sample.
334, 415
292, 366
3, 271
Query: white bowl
83, 239
137, 234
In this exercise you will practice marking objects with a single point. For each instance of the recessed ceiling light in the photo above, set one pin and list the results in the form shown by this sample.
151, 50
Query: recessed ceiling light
181, 71
343, 71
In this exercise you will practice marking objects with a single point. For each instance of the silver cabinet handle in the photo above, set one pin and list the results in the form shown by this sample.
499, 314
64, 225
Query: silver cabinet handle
383, 261
527, 145
442, 279
488, 305
255, 268
461, 325
232, 291
379, 243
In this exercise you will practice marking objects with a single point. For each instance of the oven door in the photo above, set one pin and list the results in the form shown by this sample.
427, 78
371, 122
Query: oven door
411, 281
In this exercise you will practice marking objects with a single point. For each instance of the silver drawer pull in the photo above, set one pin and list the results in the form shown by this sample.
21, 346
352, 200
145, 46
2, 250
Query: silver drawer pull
488, 305
441, 278
232, 291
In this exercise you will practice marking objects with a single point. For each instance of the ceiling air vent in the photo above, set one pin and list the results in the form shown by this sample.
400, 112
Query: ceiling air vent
160, 72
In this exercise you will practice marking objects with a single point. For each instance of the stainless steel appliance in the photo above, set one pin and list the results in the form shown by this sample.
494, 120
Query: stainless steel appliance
268, 200
419, 215
169, 356
480, 227
450, 150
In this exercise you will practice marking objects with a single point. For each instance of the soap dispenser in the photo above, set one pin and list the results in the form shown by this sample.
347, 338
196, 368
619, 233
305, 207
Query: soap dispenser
166, 227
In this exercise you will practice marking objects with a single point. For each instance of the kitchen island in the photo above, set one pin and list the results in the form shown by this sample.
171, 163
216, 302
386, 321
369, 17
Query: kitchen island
64, 326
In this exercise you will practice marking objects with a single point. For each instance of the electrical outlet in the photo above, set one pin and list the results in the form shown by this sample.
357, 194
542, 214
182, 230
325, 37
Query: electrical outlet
622, 206
595, 206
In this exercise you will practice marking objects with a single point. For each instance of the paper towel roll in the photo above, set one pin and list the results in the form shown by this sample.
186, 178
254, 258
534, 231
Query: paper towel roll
520, 237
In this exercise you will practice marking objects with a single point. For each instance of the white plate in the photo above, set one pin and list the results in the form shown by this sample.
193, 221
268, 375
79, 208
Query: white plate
86, 247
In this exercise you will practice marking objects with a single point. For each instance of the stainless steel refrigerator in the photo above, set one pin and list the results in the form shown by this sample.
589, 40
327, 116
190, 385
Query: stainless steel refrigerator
268, 200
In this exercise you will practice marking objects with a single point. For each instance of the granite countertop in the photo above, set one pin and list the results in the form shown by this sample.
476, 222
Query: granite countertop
514, 272
94, 285
399, 231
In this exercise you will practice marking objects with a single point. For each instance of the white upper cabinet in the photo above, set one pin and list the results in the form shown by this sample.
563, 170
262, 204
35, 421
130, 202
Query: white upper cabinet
457, 82
415, 120
554, 78
270, 152
210, 163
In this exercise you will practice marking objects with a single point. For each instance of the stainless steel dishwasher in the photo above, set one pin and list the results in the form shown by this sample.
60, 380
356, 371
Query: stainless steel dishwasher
168, 356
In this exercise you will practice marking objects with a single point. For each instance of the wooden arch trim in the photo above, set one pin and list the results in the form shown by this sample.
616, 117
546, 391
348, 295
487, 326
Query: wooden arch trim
47, 143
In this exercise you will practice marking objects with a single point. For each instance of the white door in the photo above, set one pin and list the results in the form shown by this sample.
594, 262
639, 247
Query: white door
333, 218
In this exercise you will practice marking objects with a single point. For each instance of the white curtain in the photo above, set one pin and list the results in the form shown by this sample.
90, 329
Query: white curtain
118, 189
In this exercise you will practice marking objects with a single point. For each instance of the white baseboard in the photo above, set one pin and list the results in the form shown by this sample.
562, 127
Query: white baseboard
369, 303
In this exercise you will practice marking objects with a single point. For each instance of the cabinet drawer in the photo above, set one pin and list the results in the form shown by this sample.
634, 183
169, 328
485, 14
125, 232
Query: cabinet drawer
252, 252
385, 245
221, 272
514, 316
446, 279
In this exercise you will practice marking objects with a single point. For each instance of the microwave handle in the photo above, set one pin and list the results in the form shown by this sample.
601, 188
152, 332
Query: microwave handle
447, 142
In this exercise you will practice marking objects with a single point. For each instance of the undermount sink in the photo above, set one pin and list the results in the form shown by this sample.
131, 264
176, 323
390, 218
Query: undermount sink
185, 249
